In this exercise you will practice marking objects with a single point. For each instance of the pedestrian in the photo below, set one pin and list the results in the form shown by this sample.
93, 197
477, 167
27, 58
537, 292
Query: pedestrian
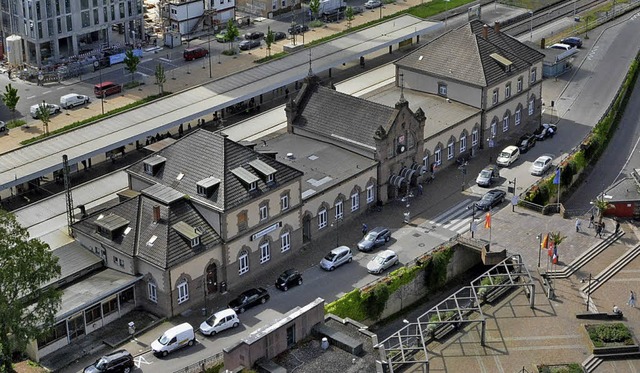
617, 227
591, 221
632, 299
365, 229
578, 224
598, 229
420, 188
602, 231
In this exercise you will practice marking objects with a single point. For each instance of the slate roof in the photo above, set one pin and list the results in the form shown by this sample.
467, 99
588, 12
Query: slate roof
342, 117
201, 155
624, 190
169, 248
463, 54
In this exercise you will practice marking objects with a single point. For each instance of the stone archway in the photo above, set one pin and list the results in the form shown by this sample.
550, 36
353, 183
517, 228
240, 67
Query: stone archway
212, 278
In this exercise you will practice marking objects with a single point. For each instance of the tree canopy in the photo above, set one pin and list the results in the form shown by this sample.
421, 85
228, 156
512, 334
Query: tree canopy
10, 98
27, 308
131, 62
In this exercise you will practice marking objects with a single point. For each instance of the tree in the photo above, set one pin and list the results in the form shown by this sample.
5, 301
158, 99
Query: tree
161, 78
349, 15
28, 310
45, 117
10, 98
131, 62
602, 205
232, 33
269, 38
314, 6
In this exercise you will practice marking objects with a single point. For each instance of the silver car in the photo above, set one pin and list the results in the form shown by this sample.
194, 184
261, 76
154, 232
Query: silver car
382, 261
336, 258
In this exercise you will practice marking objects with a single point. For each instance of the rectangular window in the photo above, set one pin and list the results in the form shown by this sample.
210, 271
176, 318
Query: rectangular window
264, 212
437, 155
243, 262
532, 106
339, 210
370, 194
425, 161
270, 178
121, 262
183, 292
322, 219
518, 114
92, 314
243, 220
495, 97
148, 169
519, 87
450, 150
265, 252
494, 129
274, 4
463, 143
253, 186
442, 89
355, 202
285, 242
505, 124
195, 241
284, 3
153, 292
115, 259
533, 75
109, 306
284, 202
507, 90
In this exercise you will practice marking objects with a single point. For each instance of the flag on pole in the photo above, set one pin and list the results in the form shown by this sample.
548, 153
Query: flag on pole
487, 221
556, 179
551, 248
545, 242
554, 259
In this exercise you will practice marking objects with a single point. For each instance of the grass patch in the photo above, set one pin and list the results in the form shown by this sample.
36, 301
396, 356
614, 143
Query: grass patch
16, 123
131, 85
560, 368
609, 335
274, 56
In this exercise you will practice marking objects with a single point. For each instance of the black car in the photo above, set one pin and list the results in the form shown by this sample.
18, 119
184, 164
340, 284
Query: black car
256, 35
378, 236
248, 299
492, 198
298, 29
249, 44
573, 41
545, 131
279, 35
526, 142
288, 278
120, 361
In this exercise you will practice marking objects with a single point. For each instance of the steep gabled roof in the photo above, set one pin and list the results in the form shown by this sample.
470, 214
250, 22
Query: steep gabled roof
463, 54
341, 117
204, 155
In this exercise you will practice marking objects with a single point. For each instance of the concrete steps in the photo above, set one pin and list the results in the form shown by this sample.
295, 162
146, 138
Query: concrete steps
611, 270
585, 257
591, 363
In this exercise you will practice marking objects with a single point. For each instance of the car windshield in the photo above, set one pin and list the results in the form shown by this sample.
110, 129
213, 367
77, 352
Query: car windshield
370, 237
538, 163
164, 340
283, 277
487, 197
485, 173
330, 257
504, 155
101, 364
210, 320
379, 259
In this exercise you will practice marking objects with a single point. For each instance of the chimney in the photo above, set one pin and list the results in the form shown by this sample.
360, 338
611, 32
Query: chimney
156, 214
485, 31
496, 27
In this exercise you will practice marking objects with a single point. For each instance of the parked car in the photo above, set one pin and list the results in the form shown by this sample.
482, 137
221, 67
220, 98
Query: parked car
190, 54
371, 4
3, 128
298, 29
119, 361
547, 130
357, 10
541, 165
249, 44
52, 108
105, 89
173, 339
490, 199
279, 35
221, 37
255, 35
378, 236
564, 47
526, 142
336, 257
488, 175
288, 278
248, 299
220, 321
508, 155
385, 259
573, 41
73, 99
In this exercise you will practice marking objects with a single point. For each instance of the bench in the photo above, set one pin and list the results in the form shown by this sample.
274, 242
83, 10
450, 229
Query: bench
600, 316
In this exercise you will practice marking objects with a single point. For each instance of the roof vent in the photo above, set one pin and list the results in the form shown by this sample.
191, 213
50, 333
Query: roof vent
290, 155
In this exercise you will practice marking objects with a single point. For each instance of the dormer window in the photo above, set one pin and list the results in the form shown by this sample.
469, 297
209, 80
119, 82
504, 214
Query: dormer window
248, 179
270, 178
153, 164
208, 186
253, 186
190, 233
264, 169
110, 225
195, 241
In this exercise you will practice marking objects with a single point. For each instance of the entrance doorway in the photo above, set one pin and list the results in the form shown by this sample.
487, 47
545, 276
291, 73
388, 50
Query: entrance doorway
212, 278
306, 229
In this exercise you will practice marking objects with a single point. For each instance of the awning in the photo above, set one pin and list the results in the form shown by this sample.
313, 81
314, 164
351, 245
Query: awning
407, 173
420, 169
396, 180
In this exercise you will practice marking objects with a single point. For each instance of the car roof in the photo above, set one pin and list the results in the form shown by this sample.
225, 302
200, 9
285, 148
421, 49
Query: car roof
510, 148
562, 45
340, 249
117, 354
572, 38
542, 158
225, 312
290, 271
386, 253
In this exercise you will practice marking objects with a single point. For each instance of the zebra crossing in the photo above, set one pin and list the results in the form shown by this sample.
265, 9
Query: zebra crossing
456, 219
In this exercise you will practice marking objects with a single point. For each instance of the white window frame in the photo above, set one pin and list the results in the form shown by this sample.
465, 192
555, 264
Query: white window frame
437, 156
243, 263
264, 212
425, 161
148, 169
505, 123
265, 252
442, 89
474, 137
518, 116
451, 150
253, 185
519, 86
285, 242
284, 202
195, 241
463, 143
532, 106
270, 178
152, 289
371, 195
322, 219
339, 209
183, 292
507, 90
495, 96
494, 129
355, 202
533, 75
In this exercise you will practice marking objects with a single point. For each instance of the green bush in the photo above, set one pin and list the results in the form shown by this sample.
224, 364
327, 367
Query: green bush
216, 368
15, 123
560, 368
376, 301
603, 334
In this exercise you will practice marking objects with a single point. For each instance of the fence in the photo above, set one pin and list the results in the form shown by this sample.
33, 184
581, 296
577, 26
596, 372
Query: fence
202, 365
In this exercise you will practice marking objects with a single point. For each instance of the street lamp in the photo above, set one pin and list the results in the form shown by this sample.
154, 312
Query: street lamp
539, 237
209, 54
101, 93
531, 25
381, 10
472, 228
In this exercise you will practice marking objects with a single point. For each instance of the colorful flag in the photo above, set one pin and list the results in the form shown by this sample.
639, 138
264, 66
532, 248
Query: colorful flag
554, 259
556, 179
545, 242
551, 248
487, 221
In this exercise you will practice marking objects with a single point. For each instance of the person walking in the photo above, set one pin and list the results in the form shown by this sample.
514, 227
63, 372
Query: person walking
602, 231
365, 229
617, 227
632, 299
598, 230
591, 221
578, 224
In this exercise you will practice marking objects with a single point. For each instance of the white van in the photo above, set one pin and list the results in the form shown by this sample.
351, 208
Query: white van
220, 321
173, 339
73, 100
507, 156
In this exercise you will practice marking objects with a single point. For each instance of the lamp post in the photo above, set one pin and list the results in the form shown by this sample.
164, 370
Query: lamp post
531, 25
491, 143
209, 54
472, 228
101, 93
380, 10
463, 169
589, 292
539, 237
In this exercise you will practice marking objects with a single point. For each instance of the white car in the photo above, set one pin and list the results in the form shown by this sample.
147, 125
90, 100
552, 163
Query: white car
382, 261
541, 165
508, 155
53, 109
220, 321
336, 257
370, 4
